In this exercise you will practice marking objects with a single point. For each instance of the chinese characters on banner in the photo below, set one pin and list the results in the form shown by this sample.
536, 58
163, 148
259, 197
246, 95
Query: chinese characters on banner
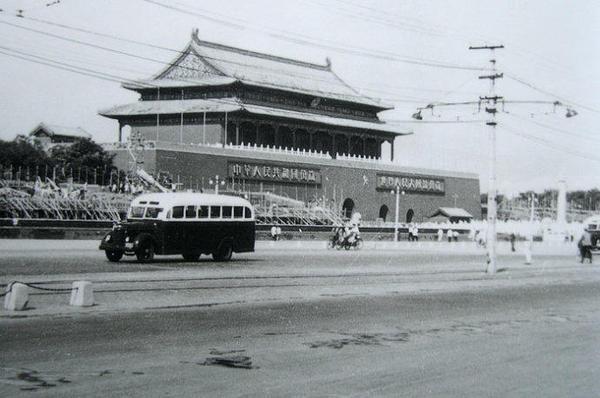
419, 184
269, 172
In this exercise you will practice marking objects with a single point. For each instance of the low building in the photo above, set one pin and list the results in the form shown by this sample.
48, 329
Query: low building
50, 135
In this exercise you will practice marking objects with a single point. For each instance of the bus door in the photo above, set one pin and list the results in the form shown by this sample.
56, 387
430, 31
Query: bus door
174, 230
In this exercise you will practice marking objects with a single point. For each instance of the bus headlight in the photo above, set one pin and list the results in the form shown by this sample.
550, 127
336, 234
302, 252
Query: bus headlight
107, 239
127, 239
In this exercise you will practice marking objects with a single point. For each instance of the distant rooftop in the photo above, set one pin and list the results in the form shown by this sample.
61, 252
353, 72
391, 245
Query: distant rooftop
56, 130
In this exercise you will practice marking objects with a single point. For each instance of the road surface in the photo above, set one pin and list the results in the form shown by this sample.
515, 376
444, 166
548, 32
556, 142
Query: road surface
428, 324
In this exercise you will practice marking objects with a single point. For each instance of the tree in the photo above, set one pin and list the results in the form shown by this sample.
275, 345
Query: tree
84, 159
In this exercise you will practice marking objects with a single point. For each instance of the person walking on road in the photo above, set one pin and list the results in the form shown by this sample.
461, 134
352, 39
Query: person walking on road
513, 238
450, 235
585, 246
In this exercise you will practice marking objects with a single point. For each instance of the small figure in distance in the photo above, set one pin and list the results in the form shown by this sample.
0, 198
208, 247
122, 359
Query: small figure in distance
585, 246
513, 239
274, 232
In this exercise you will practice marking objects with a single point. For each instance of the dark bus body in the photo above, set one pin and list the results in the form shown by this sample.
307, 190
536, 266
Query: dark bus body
183, 223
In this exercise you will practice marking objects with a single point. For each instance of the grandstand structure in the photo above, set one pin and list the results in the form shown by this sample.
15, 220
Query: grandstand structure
290, 135
33, 200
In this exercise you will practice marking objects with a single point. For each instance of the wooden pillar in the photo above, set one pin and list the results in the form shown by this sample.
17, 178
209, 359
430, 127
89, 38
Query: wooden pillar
364, 146
120, 131
276, 138
392, 149
333, 150
349, 140
257, 140
311, 133
237, 132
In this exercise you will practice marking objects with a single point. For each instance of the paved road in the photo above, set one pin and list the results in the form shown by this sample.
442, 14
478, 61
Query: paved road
538, 341
47, 257
303, 321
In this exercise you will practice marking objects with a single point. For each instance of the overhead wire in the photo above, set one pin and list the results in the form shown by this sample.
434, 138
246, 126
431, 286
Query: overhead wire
320, 42
541, 141
171, 64
542, 91
556, 129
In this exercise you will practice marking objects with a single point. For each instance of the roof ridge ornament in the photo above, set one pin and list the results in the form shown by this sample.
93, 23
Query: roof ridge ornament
195, 33
328, 63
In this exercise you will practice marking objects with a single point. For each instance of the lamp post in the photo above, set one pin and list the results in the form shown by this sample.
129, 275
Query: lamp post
216, 182
398, 193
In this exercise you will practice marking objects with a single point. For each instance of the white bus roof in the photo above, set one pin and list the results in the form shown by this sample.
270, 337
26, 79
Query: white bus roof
169, 199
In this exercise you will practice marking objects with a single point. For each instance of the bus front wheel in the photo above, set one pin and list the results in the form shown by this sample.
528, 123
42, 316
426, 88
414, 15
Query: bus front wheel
113, 256
224, 252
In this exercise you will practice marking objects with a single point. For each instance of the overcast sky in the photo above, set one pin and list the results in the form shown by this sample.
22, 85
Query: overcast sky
404, 52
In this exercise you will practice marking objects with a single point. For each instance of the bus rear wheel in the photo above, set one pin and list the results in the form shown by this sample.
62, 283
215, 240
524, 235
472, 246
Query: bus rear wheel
191, 256
145, 252
113, 256
224, 252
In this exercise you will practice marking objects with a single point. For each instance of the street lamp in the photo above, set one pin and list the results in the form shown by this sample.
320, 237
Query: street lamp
216, 182
398, 193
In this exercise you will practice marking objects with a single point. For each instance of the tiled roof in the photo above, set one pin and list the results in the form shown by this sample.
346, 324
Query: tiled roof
206, 63
53, 129
231, 105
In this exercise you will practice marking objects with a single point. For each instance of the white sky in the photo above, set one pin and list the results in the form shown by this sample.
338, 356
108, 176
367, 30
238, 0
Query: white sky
551, 44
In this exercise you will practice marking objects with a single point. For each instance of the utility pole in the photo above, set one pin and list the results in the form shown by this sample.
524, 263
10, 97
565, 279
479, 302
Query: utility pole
491, 100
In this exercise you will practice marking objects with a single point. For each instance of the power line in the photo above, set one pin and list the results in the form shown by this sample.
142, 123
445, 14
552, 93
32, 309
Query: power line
569, 133
56, 66
549, 144
532, 86
317, 42
172, 64
179, 52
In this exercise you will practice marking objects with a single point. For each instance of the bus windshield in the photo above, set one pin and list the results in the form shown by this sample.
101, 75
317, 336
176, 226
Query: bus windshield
152, 212
137, 212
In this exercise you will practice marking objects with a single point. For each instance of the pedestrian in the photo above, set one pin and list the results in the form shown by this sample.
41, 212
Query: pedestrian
585, 246
274, 232
440, 235
455, 235
410, 232
278, 232
416, 233
449, 234
513, 239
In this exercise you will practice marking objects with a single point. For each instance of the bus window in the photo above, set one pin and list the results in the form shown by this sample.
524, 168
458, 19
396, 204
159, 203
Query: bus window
137, 212
215, 211
238, 212
178, 212
190, 212
247, 212
227, 211
152, 212
203, 212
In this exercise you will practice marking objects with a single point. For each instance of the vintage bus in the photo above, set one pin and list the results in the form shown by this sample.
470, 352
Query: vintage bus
190, 224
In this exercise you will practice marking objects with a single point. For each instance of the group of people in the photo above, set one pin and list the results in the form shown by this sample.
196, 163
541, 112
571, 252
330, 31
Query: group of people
275, 232
127, 186
451, 235
413, 233
347, 234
